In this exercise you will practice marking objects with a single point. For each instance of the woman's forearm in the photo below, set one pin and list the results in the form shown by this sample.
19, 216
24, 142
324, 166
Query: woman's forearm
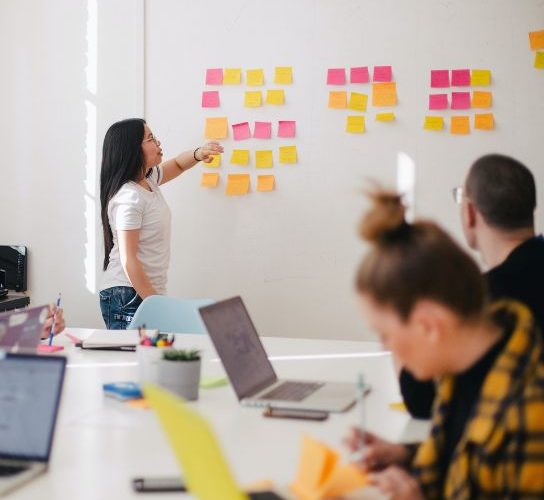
138, 277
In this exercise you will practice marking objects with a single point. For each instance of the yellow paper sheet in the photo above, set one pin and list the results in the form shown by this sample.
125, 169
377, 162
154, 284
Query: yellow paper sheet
283, 75
484, 121
355, 124
264, 159
265, 183
433, 123
460, 125
216, 162
480, 77
357, 101
384, 94
275, 97
253, 99
239, 157
237, 184
385, 117
232, 76
216, 128
536, 39
255, 77
481, 99
539, 60
337, 100
209, 180
288, 154
399, 406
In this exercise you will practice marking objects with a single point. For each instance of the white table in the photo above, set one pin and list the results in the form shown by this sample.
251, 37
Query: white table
101, 444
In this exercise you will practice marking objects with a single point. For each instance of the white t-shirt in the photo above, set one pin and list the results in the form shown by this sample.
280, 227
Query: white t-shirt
133, 207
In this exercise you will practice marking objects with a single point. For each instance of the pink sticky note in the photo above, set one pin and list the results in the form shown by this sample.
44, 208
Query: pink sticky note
460, 100
336, 76
241, 131
440, 78
214, 76
438, 101
286, 128
382, 74
460, 77
263, 130
210, 99
359, 75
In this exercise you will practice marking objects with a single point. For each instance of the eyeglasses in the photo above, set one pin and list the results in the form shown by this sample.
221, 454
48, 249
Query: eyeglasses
458, 194
152, 138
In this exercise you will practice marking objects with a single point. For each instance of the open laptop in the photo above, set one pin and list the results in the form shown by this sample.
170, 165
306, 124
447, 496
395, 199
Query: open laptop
30, 389
22, 329
251, 373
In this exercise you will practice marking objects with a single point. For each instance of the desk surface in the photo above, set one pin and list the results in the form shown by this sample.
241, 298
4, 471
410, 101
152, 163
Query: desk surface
101, 444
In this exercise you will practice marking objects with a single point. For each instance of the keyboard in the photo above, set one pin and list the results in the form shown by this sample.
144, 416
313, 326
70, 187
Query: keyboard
292, 391
10, 470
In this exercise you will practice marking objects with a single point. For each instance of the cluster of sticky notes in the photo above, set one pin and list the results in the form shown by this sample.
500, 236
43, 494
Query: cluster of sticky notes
239, 184
254, 98
264, 158
263, 130
283, 75
536, 41
321, 475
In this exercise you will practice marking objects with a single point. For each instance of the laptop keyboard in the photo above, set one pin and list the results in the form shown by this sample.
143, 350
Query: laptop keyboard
10, 470
292, 391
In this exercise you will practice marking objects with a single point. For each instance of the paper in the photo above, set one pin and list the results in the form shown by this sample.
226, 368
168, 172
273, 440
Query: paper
283, 75
216, 128
384, 94
481, 99
209, 180
480, 77
275, 97
355, 124
433, 123
214, 76
216, 162
385, 117
253, 99
484, 121
460, 77
399, 406
265, 183
536, 39
237, 184
440, 78
359, 75
460, 100
232, 76
539, 60
336, 76
382, 74
254, 77
240, 131
337, 100
460, 125
288, 154
264, 159
263, 130
438, 101
287, 128
210, 99
239, 157
357, 101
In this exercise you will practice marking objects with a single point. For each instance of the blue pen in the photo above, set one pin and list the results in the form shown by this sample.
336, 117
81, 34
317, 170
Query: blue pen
51, 333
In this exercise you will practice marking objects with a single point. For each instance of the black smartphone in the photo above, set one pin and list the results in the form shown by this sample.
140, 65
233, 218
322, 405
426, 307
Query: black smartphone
296, 413
156, 484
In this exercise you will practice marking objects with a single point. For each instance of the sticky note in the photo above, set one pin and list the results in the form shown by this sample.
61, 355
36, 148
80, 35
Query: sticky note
253, 99
214, 76
399, 406
263, 130
359, 75
438, 101
215, 163
254, 77
342, 480
275, 97
433, 123
460, 100
357, 101
288, 154
382, 74
484, 121
459, 125
283, 75
210, 99
263, 159
237, 184
481, 99
384, 94
209, 180
440, 78
216, 128
385, 117
232, 76
240, 131
460, 77
239, 157
338, 100
336, 76
287, 128
355, 124
539, 60
480, 77
265, 183
536, 40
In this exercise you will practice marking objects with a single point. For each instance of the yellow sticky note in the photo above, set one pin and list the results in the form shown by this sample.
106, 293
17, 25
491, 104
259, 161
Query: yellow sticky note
255, 77
433, 123
209, 180
357, 101
237, 184
253, 99
217, 128
460, 125
239, 157
232, 76
283, 75
539, 60
384, 94
337, 100
355, 124
536, 39
484, 121
399, 406
480, 77
216, 161
275, 97
481, 99
264, 159
265, 183
385, 117
288, 154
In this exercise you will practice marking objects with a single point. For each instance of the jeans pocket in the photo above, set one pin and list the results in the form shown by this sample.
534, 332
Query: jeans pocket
126, 297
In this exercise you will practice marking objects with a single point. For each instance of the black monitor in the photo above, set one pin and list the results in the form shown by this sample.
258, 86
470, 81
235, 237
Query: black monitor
13, 260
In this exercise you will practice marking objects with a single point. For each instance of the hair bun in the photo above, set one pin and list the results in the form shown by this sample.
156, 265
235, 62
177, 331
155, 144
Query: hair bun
385, 218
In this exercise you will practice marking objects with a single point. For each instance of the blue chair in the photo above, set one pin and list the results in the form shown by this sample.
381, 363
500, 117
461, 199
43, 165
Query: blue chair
170, 314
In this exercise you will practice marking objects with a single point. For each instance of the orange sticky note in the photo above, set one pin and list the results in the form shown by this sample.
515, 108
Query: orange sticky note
460, 125
536, 39
357, 101
216, 162
237, 184
265, 183
384, 94
275, 97
209, 180
433, 123
217, 128
355, 124
481, 99
343, 479
337, 100
264, 159
484, 121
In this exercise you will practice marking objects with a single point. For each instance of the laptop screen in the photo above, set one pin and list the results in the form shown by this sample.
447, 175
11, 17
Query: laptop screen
238, 345
30, 388
22, 328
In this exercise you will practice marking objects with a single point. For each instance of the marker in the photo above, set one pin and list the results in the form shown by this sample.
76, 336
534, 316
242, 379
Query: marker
361, 390
52, 332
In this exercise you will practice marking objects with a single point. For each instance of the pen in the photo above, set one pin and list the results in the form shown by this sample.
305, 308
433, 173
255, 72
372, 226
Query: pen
361, 389
51, 333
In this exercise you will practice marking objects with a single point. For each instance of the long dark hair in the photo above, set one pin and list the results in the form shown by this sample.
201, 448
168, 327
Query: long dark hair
122, 161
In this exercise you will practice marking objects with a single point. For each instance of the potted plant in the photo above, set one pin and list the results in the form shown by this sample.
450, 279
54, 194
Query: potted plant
179, 372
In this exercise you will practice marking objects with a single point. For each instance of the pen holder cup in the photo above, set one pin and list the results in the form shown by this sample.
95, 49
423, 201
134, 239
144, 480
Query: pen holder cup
148, 358
181, 377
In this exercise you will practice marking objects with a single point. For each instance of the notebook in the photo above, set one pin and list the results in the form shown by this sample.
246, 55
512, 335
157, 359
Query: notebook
119, 340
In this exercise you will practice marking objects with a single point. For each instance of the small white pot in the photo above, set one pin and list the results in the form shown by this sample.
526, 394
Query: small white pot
148, 363
180, 377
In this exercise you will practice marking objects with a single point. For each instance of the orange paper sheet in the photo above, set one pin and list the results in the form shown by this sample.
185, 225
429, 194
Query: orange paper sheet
484, 121
460, 125
217, 128
384, 94
237, 184
536, 39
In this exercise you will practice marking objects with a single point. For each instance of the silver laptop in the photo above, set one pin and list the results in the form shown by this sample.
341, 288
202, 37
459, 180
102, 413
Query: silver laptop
30, 389
21, 330
251, 373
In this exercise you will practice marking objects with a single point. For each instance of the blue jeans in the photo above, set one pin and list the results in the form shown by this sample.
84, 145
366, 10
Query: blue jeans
118, 305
